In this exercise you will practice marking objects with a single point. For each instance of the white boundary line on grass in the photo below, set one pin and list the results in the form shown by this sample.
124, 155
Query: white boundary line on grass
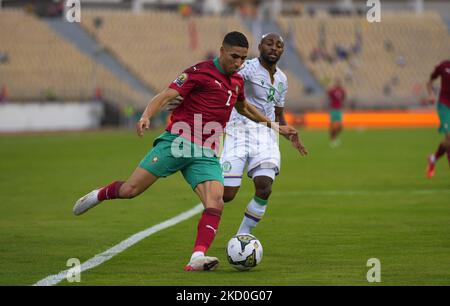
122, 246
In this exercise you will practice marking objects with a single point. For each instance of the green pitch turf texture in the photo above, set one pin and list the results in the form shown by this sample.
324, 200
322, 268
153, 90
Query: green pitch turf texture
329, 213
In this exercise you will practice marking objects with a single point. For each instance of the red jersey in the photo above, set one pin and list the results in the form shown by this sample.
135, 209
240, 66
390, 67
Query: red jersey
336, 96
443, 71
207, 92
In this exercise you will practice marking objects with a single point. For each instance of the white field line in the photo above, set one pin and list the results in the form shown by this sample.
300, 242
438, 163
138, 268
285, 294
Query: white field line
122, 246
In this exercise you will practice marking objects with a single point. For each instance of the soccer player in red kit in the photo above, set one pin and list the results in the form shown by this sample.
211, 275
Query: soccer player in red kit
210, 90
443, 109
336, 96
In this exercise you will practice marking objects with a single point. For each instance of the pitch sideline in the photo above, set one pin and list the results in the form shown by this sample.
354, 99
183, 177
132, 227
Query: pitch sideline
125, 244
122, 246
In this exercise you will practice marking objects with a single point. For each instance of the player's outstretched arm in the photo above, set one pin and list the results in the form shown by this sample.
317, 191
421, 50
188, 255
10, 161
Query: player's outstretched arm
246, 109
294, 139
153, 107
298, 144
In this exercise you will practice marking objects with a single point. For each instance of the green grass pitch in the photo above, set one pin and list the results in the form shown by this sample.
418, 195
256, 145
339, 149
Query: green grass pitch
329, 213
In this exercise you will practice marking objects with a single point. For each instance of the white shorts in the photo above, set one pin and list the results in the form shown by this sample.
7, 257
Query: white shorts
253, 145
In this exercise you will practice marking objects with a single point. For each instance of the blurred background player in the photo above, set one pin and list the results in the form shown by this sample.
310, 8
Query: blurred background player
443, 109
336, 97
250, 143
210, 89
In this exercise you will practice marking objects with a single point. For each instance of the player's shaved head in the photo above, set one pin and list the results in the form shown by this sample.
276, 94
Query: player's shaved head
271, 36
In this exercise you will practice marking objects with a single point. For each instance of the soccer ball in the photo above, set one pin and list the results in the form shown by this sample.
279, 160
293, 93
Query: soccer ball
244, 251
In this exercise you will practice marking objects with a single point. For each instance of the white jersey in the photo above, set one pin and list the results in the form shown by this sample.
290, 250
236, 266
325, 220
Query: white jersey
248, 142
260, 91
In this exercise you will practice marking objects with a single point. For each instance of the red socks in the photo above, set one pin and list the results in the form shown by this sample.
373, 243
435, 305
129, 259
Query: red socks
110, 192
206, 229
440, 151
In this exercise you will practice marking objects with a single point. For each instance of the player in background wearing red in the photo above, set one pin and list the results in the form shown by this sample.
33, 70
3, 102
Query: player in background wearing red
336, 96
210, 90
443, 109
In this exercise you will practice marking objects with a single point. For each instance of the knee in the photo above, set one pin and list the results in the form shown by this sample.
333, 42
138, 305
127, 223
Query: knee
264, 192
219, 202
216, 203
128, 191
228, 196
229, 193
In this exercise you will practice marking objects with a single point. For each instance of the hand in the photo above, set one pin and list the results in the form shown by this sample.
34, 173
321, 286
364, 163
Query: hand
285, 130
297, 143
173, 104
291, 133
141, 125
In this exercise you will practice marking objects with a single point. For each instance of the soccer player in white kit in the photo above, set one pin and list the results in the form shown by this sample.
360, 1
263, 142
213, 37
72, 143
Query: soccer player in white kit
252, 144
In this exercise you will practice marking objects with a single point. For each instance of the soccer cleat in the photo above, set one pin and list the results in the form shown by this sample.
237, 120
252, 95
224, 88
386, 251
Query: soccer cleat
431, 166
202, 263
85, 203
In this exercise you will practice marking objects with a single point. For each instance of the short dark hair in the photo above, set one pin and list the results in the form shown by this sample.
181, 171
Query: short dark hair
235, 39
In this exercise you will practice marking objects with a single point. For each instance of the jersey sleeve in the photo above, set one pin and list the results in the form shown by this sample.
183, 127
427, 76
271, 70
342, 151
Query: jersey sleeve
436, 72
186, 82
283, 93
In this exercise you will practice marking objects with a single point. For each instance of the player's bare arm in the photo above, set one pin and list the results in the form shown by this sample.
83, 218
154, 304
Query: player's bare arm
294, 139
279, 115
153, 107
248, 110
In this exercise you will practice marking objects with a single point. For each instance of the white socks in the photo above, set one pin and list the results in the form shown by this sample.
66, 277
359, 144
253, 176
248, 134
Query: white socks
433, 158
253, 214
